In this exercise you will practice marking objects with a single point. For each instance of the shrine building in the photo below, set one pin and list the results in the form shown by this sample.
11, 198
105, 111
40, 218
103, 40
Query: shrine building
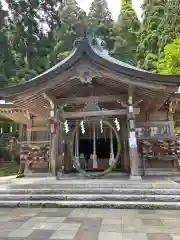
93, 114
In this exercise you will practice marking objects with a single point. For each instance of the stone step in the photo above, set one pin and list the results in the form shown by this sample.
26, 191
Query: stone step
93, 204
98, 184
89, 185
119, 191
89, 197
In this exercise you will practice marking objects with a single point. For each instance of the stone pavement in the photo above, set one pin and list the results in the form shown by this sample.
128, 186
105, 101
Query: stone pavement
88, 224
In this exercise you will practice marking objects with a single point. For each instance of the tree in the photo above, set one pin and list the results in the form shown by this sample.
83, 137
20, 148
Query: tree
25, 36
169, 63
7, 62
50, 18
149, 35
3, 15
125, 31
170, 26
73, 26
32, 26
100, 21
49, 14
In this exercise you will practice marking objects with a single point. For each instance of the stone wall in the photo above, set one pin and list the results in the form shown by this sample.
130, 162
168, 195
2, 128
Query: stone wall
35, 156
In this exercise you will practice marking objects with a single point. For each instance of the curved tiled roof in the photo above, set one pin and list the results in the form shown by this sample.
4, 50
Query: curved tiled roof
97, 55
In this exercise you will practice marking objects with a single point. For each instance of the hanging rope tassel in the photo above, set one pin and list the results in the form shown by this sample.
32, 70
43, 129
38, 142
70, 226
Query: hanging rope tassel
111, 159
77, 146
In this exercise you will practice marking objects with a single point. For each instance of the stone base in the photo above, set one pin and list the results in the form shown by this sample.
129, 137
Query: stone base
135, 178
162, 172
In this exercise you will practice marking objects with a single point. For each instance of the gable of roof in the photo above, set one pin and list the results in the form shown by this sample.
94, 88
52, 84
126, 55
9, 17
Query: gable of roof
98, 55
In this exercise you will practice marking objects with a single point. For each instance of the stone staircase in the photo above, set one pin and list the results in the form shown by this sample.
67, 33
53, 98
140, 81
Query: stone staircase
93, 194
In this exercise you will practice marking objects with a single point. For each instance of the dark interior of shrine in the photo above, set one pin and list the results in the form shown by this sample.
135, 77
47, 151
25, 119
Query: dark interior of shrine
102, 149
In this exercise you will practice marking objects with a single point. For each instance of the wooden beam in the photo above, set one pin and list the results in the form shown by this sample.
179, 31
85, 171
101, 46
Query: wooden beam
70, 115
16, 118
137, 103
40, 128
7, 105
49, 98
32, 143
100, 99
151, 124
131, 90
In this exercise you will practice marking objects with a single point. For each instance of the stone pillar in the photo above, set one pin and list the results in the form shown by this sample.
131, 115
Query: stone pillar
133, 153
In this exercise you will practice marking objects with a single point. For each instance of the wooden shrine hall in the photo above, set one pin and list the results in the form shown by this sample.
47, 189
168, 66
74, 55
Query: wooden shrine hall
93, 114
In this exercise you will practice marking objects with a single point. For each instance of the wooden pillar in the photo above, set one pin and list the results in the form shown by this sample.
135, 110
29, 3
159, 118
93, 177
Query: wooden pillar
21, 132
133, 153
62, 147
53, 141
124, 137
29, 133
57, 138
171, 124
54, 131
24, 168
172, 108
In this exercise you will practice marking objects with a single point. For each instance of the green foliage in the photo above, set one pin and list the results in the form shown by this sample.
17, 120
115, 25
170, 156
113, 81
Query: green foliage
7, 60
73, 26
169, 63
177, 128
170, 26
30, 43
125, 34
9, 170
100, 21
150, 34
